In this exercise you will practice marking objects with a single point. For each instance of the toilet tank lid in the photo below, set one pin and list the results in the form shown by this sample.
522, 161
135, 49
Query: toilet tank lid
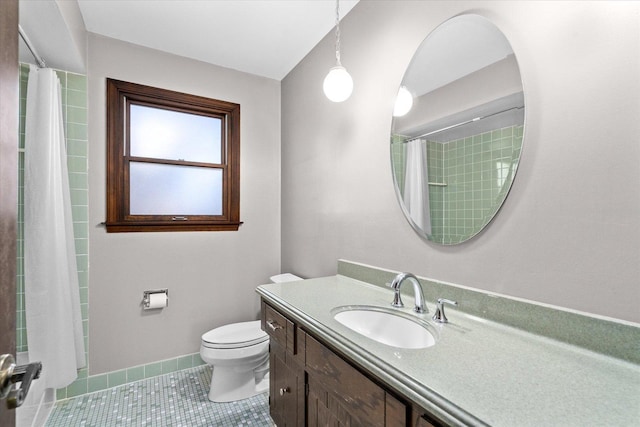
246, 333
284, 277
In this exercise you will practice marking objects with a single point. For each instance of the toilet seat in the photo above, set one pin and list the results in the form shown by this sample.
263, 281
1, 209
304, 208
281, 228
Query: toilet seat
236, 335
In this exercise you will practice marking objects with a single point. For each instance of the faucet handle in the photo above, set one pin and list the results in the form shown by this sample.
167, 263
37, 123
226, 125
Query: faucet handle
397, 299
439, 314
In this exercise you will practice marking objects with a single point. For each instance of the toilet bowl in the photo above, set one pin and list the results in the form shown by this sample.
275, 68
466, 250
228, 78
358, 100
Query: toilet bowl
239, 355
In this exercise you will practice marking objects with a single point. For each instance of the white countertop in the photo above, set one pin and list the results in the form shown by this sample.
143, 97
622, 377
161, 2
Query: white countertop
478, 371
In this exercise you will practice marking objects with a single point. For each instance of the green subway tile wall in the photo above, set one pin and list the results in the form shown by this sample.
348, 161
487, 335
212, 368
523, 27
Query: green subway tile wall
478, 171
475, 171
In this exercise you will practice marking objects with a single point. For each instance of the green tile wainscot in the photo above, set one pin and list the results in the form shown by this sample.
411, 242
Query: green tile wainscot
499, 362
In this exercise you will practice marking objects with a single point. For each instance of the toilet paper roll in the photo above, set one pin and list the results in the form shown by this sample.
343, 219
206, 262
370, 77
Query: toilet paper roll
158, 300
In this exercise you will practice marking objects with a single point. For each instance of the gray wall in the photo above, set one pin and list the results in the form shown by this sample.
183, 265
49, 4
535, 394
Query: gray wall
211, 276
569, 232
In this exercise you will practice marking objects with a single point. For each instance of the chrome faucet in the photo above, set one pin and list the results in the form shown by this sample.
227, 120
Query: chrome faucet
417, 291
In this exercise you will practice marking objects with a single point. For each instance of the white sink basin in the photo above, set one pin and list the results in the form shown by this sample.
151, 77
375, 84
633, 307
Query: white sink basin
387, 326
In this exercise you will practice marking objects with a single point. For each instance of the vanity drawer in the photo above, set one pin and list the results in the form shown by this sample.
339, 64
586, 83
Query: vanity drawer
290, 338
275, 324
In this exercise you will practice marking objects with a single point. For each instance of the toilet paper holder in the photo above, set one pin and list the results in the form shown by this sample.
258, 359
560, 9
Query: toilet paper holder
146, 297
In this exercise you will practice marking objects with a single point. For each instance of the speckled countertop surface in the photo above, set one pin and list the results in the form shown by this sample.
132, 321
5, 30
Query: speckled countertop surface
479, 372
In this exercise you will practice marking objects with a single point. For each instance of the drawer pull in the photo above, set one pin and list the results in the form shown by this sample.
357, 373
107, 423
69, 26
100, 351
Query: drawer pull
273, 325
284, 390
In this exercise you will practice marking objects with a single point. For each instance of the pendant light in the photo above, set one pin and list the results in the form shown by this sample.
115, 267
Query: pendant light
404, 102
338, 84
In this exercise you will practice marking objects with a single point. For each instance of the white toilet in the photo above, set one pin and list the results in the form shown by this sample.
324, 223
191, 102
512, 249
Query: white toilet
239, 355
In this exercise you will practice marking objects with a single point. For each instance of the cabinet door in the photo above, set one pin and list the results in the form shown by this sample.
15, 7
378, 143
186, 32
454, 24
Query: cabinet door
340, 395
396, 413
326, 408
285, 388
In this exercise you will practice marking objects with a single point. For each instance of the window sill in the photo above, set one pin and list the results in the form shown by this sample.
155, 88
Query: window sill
128, 227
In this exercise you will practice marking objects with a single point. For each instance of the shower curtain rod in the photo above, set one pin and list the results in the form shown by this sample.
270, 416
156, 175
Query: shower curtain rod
32, 49
464, 123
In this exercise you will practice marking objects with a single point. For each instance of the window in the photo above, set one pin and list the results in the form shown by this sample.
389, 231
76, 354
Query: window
173, 161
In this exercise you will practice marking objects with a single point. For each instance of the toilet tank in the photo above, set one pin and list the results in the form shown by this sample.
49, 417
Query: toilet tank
284, 277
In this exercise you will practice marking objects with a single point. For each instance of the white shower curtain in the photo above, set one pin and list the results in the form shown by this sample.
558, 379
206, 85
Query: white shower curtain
52, 295
416, 185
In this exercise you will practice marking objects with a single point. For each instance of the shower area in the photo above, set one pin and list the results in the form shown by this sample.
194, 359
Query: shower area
466, 175
52, 247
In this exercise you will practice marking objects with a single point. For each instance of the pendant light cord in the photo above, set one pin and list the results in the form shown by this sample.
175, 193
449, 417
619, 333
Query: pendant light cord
338, 32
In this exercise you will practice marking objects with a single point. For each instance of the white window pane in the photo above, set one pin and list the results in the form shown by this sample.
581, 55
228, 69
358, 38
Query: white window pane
165, 134
157, 189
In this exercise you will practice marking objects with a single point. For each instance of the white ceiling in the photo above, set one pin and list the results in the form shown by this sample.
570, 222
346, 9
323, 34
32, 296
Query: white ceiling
263, 37
50, 34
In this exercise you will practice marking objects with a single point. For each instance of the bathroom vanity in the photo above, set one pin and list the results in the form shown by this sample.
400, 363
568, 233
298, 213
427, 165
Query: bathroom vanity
333, 391
478, 372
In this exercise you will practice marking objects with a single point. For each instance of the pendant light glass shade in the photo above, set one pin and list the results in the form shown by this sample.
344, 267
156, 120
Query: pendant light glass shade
404, 102
338, 84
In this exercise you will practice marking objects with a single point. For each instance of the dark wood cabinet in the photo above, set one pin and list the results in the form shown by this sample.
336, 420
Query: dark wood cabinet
286, 369
311, 385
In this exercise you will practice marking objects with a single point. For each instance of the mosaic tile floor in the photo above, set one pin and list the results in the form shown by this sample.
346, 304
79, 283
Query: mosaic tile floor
176, 399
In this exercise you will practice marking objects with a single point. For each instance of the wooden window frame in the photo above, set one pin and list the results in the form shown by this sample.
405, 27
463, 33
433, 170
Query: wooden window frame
120, 95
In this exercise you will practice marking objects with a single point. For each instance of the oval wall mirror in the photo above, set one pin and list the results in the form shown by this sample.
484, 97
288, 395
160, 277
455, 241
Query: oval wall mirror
457, 130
